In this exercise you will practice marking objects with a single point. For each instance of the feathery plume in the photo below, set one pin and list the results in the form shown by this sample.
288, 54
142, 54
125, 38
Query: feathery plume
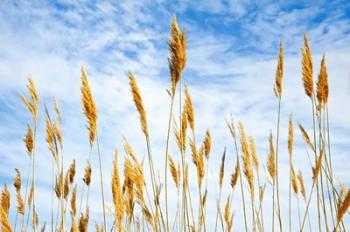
207, 144
307, 69
138, 103
17, 180
189, 108
57, 110
33, 104
5, 200
117, 194
73, 202
29, 140
4, 220
20, 203
89, 107
51, 138
177, 48
58, 186
84, 221
302, 185
248, 171
316, 170
30, 198
279, 72
222, 168
71, 172
255, 159
322, 84
87, 175
235, 175
271, 166
290, 136
306, 137
174, 171
294, 181
344, 206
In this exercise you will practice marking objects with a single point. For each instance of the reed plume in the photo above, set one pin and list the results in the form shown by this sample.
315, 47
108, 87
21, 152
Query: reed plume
246, 157
177, 48
222, 169
89, 106
255, 159
87, 175
17, 182
138, 103
117, 194
189, 109
73, 203
344, 206
290, 136
306, 137
4, 220
174, 171
294, 180
307, 69
234, 176
322, 84
84, 221
317, 169
33, 103
5, 200
279, 73
71, 172
302, 185
29, 140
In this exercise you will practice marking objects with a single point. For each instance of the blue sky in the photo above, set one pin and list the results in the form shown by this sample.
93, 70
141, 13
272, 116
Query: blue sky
232, 56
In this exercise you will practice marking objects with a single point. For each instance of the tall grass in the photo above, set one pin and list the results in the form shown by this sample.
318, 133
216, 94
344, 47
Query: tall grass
140, 205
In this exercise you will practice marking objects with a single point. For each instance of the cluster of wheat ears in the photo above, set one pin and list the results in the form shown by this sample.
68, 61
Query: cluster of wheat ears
143, 206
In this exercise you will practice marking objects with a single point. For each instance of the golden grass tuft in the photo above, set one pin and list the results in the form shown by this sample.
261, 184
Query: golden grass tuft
177, 48
138, 103
89, 106
87, 174
322, 84
246, 157
17, 182
294, 180
33, 104
235, 175
117, 194
84, 221
5, 200
271, 166
189, 108
29, 140
255, 159
344, 206
174, 171
302, 185
306, 137
317, 169
290, 136
307, 69
4, 220
222, 169
279, 72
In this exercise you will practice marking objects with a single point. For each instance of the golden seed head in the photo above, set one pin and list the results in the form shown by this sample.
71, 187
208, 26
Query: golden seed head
317, 169
174, 171
189, 108
271, 166
17, 182
89, 107
306, 137
294, 180
117, 193
307, 68
255, 158
302, 185
248, 170
290, 136
20, 203
138, 103
5, 200
322, 84
33, 104
235, 175
207, 144
4, 220
87, 175
344, 206
177, 48
222, 169
84, 221
73, 202
71, 172
279, 72
29, 140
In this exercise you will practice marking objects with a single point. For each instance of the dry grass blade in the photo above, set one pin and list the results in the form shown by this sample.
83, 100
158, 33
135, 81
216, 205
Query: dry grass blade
138, 103
89, 106
322, 84
177, 48
306, 137
307, 68
279, 72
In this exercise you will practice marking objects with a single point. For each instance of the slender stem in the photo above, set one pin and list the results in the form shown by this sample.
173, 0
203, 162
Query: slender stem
52, 193
101, 183
276, 162
166, 162
307, 206
217, 212
299, 220
26, 193
290, 192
